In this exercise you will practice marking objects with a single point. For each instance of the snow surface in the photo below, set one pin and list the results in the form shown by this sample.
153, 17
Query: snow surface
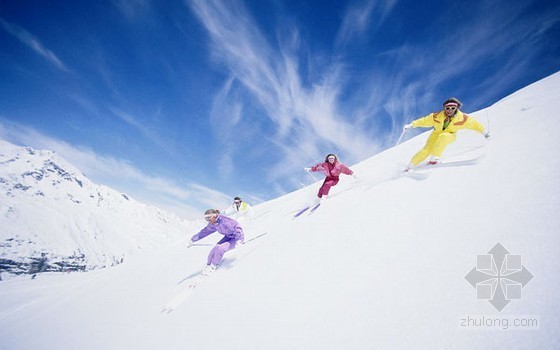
380, 265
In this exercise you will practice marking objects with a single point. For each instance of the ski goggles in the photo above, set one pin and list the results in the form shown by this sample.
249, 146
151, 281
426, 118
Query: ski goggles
209, 217
450, 108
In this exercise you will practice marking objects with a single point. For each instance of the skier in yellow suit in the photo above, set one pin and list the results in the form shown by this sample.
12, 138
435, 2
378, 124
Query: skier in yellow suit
445, 123
239, 210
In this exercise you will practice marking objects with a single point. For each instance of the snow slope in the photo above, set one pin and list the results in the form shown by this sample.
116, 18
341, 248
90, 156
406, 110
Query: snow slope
381, 265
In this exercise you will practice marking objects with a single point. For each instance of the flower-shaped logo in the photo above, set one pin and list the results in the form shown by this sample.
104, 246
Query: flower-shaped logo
498, 277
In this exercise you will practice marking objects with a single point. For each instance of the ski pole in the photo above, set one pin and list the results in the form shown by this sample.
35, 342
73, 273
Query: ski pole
313, 177
487, 133
487, 119
257, 236
200, 245
400, 138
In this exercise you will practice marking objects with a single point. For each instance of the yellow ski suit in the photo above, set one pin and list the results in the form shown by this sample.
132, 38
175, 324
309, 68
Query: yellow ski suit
439, 139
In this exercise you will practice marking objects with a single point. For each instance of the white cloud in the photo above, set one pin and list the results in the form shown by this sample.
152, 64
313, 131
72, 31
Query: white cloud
34, 44
307, 118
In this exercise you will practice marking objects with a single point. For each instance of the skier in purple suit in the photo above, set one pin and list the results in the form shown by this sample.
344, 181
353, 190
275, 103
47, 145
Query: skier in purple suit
233, 234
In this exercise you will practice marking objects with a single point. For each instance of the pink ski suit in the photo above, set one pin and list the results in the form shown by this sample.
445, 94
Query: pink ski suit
332, 171
230, 229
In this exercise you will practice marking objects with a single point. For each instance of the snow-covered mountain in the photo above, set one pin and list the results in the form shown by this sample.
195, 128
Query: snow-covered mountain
382, 264
53, 214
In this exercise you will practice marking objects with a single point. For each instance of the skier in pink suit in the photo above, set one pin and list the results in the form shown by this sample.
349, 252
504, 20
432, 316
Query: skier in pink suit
332, 168
233, 234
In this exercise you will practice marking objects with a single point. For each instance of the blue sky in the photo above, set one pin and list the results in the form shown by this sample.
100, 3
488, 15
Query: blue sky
186, 104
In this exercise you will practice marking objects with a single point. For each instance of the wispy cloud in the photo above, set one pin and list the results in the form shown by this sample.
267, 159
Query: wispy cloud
33, 43
360, 16
312, 113
307, 117
144, 128
186, 200
413, 82
133, 9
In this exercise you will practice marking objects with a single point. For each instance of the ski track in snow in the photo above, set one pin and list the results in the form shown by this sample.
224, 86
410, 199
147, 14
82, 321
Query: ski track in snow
197, 279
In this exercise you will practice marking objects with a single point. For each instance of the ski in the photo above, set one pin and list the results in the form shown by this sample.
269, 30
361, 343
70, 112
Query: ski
309, 209
453, 163
421, 171
301, 211
314, 208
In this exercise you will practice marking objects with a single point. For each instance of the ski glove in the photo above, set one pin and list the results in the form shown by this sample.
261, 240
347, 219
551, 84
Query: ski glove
487, 135
407, 126
307, 169
190, 244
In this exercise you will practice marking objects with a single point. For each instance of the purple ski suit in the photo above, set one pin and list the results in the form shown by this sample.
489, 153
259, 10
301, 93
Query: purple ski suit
232, 232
